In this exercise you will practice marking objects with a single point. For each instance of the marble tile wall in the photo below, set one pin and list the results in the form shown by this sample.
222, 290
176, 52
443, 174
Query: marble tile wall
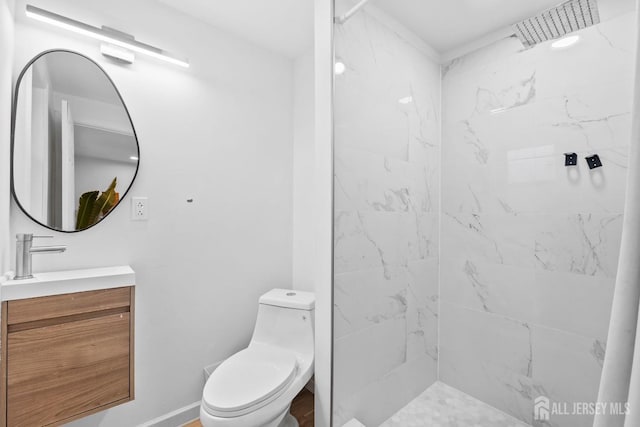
444, 406
529, 248
387, 169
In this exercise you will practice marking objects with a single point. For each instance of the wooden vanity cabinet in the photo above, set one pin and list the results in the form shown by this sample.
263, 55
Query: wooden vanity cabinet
66, 356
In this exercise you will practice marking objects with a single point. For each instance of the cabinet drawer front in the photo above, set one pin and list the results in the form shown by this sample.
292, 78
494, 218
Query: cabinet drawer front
57, 372
50, 307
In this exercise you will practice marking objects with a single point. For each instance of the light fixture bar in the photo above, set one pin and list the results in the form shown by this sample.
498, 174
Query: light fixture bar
102, 35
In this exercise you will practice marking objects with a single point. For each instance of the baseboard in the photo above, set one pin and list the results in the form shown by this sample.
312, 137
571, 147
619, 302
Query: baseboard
176, 418
186, 414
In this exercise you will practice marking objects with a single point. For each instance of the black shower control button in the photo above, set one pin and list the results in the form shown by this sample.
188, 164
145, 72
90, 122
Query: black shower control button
594, 161
570, 159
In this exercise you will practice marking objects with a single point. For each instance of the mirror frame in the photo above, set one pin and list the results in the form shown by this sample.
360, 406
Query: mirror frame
13, 129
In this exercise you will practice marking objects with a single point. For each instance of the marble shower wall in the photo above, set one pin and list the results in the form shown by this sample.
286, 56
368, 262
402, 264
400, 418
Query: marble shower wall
529, 248
387, 167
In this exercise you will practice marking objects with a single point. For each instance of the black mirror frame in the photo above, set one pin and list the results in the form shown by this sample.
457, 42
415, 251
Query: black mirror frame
13, 128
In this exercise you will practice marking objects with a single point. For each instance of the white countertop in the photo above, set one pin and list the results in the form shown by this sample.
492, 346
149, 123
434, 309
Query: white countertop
66, 282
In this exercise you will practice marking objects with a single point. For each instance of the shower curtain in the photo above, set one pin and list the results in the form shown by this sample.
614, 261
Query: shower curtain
620, 381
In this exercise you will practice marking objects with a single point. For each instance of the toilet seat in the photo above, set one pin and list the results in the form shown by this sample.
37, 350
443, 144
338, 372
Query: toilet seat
248, 380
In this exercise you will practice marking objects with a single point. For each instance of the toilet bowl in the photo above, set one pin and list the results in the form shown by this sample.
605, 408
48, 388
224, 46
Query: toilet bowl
255, 387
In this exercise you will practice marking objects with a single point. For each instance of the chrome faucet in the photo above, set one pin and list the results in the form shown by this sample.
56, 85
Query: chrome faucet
24, 250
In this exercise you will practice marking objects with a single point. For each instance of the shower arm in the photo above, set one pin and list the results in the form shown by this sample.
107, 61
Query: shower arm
344, 18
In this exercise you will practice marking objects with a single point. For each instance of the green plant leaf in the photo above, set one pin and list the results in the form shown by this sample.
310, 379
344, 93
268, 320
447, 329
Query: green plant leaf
87, 201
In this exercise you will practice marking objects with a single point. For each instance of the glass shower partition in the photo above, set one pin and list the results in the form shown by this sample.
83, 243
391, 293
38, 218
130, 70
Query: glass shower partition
470, 260
387, 168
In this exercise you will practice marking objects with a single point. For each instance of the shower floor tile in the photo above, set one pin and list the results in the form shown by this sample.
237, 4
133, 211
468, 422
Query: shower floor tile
444, 406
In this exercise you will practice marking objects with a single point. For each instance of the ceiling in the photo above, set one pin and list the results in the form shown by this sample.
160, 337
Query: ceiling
283, 26
72, 74
448, 26
104, 144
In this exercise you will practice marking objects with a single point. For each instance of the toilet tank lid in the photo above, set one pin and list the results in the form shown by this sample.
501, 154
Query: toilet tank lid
289, 298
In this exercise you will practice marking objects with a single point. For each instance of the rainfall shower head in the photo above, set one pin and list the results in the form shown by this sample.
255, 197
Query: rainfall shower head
557, 22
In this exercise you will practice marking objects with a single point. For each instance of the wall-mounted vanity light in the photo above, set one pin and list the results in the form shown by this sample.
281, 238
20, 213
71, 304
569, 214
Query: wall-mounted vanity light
103, 34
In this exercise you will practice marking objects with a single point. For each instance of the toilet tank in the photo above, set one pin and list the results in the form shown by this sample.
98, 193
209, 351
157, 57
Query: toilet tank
286, 319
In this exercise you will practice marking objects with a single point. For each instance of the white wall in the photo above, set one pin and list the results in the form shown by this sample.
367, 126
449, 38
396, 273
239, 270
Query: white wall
6, 63
303, 172
219, 132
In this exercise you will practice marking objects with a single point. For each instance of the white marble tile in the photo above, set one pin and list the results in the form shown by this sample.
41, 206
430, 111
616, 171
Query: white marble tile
567, 369
498, 238
485, 286
424, 183
421, 232
376, 402
572, 110
383, 70
387, 192
481, 59
422, 310
369, 181
586, 244
575, 303
530, 247
474, 338
586, 121
576, 68
571, 302
508, 363
367, 240
565, 68
444, 406
489, 357
365, 298
508, 163
539, 185
359, 359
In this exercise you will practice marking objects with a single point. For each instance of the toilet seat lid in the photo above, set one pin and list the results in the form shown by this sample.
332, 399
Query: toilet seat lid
249, 378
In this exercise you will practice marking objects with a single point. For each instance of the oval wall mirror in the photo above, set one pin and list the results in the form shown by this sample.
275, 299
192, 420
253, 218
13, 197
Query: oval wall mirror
74, 152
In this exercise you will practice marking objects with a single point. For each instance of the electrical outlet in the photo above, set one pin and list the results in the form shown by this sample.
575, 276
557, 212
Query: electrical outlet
139, 208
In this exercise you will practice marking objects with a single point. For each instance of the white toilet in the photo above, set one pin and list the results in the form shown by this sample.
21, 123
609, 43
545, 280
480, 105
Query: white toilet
255, 387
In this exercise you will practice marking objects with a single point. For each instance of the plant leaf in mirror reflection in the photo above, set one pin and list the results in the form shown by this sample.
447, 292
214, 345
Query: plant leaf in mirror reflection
92, 208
